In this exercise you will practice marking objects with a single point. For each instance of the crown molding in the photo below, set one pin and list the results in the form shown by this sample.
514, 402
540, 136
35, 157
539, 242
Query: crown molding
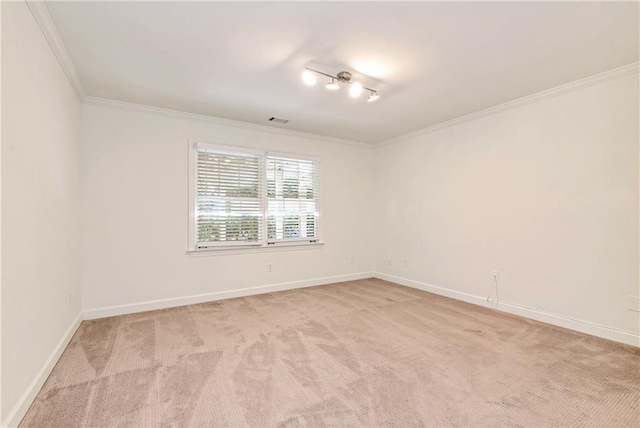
42, 17
606, 76
122, 105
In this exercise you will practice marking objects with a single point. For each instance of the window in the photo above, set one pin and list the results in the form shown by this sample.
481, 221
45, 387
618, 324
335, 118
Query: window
292, 199
228, 198
251, 198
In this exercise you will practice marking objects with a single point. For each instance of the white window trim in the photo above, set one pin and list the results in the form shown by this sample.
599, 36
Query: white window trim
243, 248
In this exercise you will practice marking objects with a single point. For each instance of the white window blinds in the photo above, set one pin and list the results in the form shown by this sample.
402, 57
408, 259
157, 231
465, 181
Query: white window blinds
243, 197
292, 199
229, 201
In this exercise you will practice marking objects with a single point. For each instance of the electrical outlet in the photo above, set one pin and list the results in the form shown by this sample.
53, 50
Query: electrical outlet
406, 264
352, 260
270, 267
389, 262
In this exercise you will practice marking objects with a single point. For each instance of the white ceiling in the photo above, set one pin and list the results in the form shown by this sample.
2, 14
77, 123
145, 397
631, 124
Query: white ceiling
430, 61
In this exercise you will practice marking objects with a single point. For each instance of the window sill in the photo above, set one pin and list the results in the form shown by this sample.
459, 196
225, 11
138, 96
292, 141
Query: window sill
227, 251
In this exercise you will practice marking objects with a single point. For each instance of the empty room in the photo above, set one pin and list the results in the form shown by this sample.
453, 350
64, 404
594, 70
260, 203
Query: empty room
314, 214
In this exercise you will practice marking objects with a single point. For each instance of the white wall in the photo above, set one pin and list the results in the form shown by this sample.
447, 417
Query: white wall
40, 203
546, 194
1, 418
135, 172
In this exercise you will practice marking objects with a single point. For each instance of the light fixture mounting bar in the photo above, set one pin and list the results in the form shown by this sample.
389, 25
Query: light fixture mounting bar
339, 79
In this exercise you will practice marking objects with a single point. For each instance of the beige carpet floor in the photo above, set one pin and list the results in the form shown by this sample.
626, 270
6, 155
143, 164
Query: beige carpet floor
364, 353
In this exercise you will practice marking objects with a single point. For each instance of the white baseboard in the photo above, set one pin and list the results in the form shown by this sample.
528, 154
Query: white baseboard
209, 297
593, 329
23, 404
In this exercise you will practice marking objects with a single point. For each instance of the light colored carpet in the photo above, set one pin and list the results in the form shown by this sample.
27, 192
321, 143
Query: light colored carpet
363, 353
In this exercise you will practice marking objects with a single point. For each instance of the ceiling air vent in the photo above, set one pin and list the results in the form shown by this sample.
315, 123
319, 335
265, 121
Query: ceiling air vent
278, 119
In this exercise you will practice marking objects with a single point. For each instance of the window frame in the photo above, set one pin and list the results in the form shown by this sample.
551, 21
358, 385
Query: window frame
264, 244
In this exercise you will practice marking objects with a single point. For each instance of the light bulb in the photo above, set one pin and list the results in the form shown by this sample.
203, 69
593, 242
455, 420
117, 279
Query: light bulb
355, 90
333, 85
309, 78
374, 96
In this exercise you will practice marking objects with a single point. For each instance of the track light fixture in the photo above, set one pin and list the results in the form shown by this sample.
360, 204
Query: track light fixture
333, 85
355, 90
374, 96
309, 77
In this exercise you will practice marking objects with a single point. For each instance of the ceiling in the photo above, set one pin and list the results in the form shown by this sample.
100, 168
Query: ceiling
430, 61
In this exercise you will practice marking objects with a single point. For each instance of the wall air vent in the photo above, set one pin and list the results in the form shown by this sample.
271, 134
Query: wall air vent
278, 119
